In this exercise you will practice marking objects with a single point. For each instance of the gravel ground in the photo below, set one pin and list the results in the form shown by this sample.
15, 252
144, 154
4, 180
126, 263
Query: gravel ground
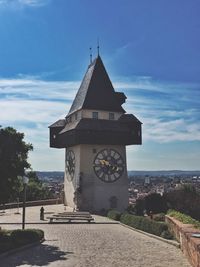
103, 243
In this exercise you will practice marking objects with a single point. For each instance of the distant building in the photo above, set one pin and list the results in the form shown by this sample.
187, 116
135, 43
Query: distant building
160, 190
147, 180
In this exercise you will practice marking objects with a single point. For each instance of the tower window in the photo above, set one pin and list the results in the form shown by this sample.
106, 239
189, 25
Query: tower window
95, 115
76, 116
111, 116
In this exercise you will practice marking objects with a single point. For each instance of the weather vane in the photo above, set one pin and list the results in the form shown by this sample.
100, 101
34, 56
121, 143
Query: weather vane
90, 54
98, 46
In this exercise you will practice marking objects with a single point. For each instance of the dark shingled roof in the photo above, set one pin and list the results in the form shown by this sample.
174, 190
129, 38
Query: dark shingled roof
129, 118
95, 125
95, 131
59, 123
96, 91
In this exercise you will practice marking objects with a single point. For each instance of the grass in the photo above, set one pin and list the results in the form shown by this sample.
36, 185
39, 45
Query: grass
186, 219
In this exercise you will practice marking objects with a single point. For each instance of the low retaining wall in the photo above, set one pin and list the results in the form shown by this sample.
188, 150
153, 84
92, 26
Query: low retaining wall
32, 203
183, 233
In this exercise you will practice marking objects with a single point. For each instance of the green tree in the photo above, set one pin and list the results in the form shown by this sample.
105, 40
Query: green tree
155, 203
13, 162
36, 190
140, 207
185, 199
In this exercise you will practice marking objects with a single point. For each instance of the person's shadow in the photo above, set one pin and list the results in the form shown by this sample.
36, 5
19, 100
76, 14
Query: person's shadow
40, 255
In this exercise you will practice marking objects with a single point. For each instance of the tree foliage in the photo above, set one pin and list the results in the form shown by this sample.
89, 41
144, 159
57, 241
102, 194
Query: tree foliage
139, 207
155, 203
13, 162
36, 190
185, 199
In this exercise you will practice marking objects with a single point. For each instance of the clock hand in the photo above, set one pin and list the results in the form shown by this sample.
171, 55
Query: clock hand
104, 162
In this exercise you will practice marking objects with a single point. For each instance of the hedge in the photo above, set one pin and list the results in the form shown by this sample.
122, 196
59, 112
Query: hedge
17, 238
5, 241
147, 225
160, 217
22, 237
114, 215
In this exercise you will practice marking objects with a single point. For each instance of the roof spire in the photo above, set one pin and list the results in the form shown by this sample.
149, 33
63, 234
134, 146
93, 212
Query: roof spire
98, 46
90, 55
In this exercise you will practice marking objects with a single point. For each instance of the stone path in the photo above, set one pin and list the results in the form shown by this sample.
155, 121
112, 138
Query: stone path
104, 244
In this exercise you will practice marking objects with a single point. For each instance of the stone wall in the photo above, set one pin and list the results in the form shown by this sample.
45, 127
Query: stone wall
189, 245
32, 203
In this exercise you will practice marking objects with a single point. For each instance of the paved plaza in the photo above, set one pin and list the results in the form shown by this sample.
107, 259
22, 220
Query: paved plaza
104, 243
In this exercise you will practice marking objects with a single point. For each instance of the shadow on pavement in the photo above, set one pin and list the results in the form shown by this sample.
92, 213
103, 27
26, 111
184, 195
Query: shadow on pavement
41, 255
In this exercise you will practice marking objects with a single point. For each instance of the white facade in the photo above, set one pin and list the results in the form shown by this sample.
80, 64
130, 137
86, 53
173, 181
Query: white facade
95, 194
88, 114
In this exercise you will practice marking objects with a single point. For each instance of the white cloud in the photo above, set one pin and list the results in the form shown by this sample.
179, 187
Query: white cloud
31, 111
23, 3
38, 89
170, 131
33, 2
39, 101
31, 104
147, 83
169, 111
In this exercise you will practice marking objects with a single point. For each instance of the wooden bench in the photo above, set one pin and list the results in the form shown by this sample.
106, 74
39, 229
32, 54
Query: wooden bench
77, 213
70, 218
71, 215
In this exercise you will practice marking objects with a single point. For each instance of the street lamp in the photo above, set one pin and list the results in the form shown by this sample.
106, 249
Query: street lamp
25, 182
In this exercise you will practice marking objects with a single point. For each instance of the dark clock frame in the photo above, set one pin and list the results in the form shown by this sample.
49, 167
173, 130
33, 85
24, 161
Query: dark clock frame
70, 164
108, 165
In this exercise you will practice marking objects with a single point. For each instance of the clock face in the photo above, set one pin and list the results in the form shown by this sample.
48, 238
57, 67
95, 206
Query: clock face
108, 165
70, 164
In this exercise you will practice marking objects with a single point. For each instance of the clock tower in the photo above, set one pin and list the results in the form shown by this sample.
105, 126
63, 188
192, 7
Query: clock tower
95, 134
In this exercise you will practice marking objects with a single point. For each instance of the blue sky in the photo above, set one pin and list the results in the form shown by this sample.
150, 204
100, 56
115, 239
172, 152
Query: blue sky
150, 50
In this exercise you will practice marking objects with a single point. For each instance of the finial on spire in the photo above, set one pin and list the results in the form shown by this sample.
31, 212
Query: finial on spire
98, 46
90, 54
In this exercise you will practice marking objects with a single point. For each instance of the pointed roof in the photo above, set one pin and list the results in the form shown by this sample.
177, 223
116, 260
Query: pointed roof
96, 91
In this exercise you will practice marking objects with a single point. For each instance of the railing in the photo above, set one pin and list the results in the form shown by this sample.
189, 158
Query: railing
32, 203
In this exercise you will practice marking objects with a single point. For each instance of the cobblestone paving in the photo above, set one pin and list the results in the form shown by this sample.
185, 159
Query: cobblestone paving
102, 244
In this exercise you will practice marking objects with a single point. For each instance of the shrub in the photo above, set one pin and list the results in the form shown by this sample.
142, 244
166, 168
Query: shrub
144, 224
166, 234
183, 218
16, 238
22, 237
131, 209
156, 203
5, 242
139, 207
185, 200
114, 215
4, 235
160, 217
